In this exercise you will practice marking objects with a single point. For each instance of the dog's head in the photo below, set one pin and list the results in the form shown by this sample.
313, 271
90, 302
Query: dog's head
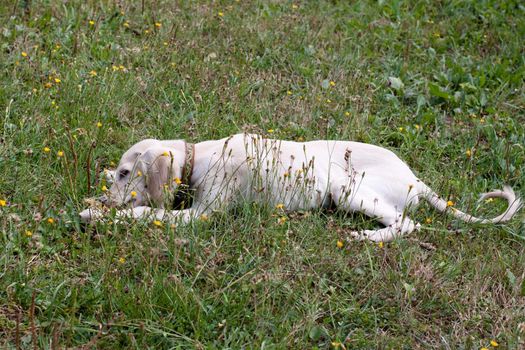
145, 172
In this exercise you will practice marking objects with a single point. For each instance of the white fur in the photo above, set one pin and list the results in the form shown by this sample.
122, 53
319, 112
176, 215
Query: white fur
356, 177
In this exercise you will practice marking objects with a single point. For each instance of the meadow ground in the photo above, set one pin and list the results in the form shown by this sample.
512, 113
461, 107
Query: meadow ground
439, 83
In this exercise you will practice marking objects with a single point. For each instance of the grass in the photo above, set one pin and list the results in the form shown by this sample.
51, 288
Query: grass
440, 83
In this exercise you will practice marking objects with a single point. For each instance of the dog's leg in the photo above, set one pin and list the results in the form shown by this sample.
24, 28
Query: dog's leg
167, 216
371, 204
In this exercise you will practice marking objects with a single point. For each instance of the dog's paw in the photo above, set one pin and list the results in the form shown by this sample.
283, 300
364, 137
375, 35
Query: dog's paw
90, 215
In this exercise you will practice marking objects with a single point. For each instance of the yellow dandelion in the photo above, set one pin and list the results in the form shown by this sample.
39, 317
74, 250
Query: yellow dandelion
436, 35
60, 153
121, 260
112, 163
347, 114
332, 83
158, 24
146, 31
288, 92
450, 203
336, 344
139, 173
295, 7
279, 206
104, 188
400, 129
99, 124
417, 126
468, 152
133, 194
220, 14
165, 154
340, 244
24, 54
126, 24
381, 245
115, 68
91, 22
281, 220
270, 131
50, 221
428, 220
165, 43
121, 67
489, 200
328, 100
157, 223
29, 233
48, 85
47, 149
3, 202
204, 217
494, 343
58, 81
93, 73
484, 348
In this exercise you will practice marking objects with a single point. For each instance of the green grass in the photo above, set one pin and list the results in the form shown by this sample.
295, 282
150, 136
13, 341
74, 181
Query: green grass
429, 80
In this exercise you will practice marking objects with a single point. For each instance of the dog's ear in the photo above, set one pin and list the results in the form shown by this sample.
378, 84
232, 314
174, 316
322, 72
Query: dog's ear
160, 168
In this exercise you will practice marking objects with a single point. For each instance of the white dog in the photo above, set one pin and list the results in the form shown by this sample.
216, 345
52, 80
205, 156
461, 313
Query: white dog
297, 176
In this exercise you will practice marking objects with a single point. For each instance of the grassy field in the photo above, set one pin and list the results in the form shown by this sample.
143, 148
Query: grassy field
441, 83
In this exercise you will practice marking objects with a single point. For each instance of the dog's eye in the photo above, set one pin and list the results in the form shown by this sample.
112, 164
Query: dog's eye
123, 173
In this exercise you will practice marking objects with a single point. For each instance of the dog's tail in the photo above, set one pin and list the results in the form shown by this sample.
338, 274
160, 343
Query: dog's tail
514, 204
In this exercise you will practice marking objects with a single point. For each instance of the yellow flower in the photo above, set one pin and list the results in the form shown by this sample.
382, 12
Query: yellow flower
336, 344
104, 188
115, 68
380, 244
146, 31
91, 22
332, 83
488, 200
270, 131
165, 154
281, 220
289, 92
468, 152
280, 206
133, 194
340, 244
286, 174
428, 220
295, 7
48, 85
328, 100
51, 221
121, 260
484, 348
157, 223
400, 128
99, 124
417, 126
204, 217
47, 149
139, 173
220, 14
126, 24
24, 54
3, 202
58, 81
60, 153
29, 233
494, 343
165, 43
93, 73
347, 114
177, 181
450, 203
158, 24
